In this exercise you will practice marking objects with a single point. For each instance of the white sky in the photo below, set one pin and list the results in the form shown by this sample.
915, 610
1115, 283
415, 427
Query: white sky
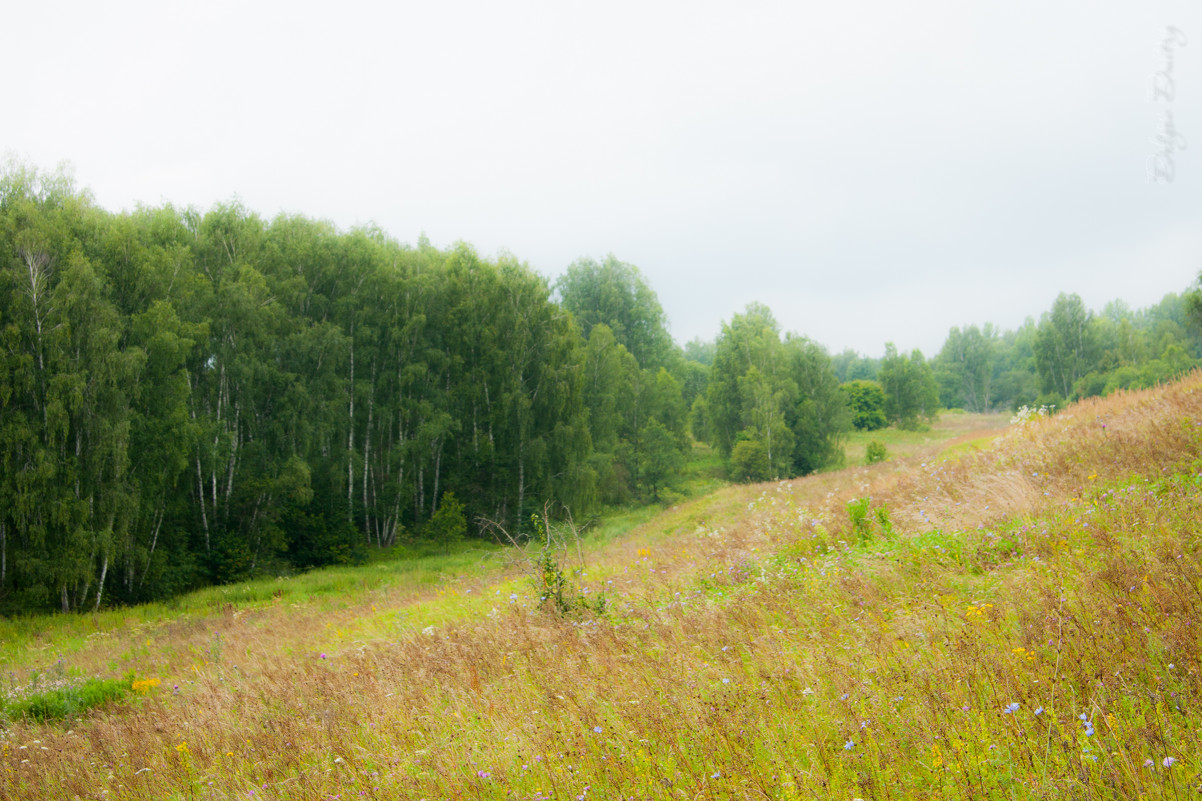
871, 171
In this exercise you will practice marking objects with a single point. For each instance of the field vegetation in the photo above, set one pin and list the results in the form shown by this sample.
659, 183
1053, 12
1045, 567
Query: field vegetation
191, 399
1005, 617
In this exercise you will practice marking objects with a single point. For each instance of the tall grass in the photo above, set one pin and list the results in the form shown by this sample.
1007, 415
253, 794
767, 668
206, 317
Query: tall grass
1021, 621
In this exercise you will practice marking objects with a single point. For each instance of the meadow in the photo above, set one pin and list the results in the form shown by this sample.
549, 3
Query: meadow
993, 613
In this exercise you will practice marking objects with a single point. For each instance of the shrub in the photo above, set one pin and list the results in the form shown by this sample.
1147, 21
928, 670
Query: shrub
749, 461
876, 452
866, 400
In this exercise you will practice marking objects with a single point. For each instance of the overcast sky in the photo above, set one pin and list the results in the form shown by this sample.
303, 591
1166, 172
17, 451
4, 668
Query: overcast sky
871, 171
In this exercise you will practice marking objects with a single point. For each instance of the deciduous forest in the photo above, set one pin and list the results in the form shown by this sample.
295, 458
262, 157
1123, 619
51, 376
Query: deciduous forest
190, 398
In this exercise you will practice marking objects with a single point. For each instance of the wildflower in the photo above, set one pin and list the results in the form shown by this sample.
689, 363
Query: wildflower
1011, 708
1149, 763
850, 744
483, 774
1169, 762
1039, 711
598, 729
726, 681
716, 775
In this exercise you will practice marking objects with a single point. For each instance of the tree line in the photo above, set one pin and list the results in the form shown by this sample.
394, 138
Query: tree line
190, 398
1070, 353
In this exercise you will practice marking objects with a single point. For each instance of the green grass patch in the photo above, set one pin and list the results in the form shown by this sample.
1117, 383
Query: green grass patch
900, 443
66, 702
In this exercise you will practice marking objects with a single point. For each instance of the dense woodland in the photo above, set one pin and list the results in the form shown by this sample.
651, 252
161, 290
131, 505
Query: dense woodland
189, 398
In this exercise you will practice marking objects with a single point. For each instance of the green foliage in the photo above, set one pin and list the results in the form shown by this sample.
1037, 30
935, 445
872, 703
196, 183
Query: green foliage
867, 523
317, 539
851, 366
448, 525
965, 368
818, 417
637, 420
1193, 300
663, 458
67, 702
866, 400
876, 452
555, 583
782, 395
189, 398
615, 294
857, 512
1065, 345
749, 461
700, 351
559, 593
911, 393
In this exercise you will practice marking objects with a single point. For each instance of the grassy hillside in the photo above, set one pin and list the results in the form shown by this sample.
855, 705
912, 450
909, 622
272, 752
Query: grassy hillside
1003, 618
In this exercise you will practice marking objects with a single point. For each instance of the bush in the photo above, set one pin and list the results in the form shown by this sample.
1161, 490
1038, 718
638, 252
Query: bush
866, 400
749, 461
876, 452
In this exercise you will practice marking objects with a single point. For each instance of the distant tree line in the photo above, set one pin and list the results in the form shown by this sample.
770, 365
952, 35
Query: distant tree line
1069, 354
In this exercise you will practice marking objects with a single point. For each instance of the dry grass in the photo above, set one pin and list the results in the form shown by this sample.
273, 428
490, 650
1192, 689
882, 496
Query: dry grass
758, 645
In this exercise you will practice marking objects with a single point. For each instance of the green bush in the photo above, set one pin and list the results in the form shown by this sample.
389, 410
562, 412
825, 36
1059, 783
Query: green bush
749, 461
866, 400
876, 452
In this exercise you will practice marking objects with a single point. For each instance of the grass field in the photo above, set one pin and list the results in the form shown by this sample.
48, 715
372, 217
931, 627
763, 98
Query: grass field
967, 430
993, 613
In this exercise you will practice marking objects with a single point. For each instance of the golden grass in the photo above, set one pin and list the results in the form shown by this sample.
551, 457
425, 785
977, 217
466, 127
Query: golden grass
757, 646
